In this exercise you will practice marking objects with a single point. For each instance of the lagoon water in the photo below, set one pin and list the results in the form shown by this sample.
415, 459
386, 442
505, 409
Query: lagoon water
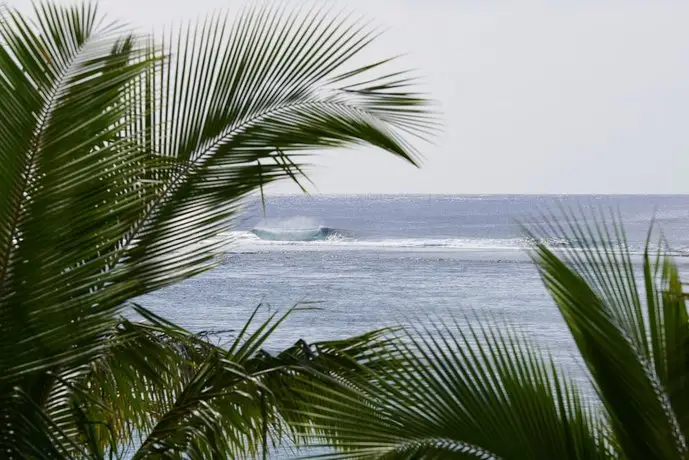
372, 261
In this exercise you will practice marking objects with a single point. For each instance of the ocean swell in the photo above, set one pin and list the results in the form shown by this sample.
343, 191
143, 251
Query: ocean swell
295, 229
305, 234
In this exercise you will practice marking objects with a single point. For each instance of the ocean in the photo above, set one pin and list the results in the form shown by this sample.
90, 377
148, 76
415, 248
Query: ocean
373, 261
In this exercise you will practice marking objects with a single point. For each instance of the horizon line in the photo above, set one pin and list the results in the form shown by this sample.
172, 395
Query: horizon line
297, 194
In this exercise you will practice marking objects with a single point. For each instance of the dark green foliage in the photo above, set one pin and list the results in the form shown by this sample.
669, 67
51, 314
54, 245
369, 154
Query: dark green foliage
120, 157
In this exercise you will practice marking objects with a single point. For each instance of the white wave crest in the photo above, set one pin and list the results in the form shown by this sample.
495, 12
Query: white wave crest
244, 240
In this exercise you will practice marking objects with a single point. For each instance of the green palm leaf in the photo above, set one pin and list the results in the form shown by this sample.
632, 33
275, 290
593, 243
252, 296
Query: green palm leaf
60, 85
118, 159
485, 394
238, 104
636, 355
61, 91
209, 402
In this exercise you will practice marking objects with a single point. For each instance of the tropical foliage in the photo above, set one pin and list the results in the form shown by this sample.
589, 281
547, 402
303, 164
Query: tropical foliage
488, 391
121, 156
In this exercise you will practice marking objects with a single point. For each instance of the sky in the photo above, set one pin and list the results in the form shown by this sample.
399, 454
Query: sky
536, 96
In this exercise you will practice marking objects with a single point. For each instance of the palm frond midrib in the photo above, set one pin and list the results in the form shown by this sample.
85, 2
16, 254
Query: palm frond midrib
203, 154
30, 167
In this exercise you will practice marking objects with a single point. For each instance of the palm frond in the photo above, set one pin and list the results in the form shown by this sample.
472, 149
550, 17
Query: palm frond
117, 158
242, 401
636, 355
668, 328
238, 104
60, 84
487, 394
65, 203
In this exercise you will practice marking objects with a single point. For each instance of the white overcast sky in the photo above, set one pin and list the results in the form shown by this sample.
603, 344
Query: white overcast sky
557, 96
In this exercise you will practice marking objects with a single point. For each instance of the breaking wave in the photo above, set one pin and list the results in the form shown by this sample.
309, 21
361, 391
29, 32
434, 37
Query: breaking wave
303, 233
295, 229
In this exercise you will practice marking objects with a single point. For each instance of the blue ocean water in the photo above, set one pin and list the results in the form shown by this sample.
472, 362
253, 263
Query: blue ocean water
373, 261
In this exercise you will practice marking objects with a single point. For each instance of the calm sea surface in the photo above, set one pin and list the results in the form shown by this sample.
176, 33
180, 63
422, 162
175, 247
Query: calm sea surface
381, 260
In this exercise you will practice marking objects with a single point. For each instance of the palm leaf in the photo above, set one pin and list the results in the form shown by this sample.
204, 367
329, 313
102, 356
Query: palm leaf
242, 401
238, 104
487, 394
60, 85
636, 357
116, 159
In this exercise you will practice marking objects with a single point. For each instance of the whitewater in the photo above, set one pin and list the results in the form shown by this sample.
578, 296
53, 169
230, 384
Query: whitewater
325, 238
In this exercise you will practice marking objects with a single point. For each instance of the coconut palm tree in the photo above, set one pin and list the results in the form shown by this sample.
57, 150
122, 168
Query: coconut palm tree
121, 156
488, 391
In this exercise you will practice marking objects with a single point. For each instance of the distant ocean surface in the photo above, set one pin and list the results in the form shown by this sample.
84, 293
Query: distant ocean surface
372, 261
